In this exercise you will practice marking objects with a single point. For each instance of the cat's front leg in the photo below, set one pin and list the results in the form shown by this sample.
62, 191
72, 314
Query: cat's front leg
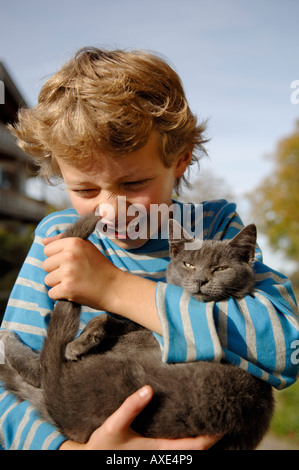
20, 357
90, 337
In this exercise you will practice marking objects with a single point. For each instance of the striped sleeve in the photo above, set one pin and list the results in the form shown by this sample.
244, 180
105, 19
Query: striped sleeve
257, 333
20, 425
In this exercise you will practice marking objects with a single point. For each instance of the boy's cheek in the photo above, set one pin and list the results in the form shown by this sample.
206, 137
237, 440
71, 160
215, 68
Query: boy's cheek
82, 206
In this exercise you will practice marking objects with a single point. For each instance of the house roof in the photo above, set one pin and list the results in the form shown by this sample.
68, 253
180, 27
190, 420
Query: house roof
9, 106
13, 99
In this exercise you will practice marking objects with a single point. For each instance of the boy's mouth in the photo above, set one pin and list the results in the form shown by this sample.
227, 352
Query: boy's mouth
125, 231
130, 223
121, 235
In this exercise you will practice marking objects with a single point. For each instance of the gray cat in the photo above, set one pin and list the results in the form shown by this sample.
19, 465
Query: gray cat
77, 384
216, 271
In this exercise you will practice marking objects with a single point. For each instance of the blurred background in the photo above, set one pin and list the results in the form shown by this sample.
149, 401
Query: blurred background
238, 60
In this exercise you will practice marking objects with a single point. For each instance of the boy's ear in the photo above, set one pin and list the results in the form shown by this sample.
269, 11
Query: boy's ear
183, 163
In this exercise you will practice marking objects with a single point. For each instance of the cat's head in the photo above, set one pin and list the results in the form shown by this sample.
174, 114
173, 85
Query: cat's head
215, 271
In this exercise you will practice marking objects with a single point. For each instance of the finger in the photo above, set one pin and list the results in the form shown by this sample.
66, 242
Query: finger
52, 263
53, 278
56, 246
56, 293
206, 442
189, 443
122, 418
48, 240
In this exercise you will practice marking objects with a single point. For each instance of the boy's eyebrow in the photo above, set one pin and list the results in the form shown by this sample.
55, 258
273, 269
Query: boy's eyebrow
129, 176
133, 177
78, 183
139, 174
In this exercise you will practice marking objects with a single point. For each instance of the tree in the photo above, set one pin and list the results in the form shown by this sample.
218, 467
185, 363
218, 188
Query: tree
206, 185
15, 241
276, 200
275, 203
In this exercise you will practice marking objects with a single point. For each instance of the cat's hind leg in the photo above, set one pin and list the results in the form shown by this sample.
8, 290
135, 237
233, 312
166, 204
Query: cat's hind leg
20, 357
16, 384
96, 331
90, 337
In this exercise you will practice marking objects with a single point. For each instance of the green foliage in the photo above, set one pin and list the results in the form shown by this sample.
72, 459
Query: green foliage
286, 418
14, 245
276, 201
295, 282
275, 207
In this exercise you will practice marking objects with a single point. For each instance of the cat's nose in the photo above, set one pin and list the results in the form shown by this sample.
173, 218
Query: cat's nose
201, 282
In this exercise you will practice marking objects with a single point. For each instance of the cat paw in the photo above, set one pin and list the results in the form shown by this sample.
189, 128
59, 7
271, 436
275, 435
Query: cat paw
8, 339
72, 351
8, 342
7, 335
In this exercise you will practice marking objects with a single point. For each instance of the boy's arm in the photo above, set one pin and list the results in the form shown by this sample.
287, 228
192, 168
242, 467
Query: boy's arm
22, 428
20, 425
258, 333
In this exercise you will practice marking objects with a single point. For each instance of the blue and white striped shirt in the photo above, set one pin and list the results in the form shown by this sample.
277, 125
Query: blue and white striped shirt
257, 333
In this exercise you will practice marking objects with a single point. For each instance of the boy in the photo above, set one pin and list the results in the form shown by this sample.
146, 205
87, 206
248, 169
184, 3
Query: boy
117, 125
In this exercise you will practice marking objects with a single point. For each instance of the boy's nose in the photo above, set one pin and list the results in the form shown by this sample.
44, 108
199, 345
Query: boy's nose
112, 209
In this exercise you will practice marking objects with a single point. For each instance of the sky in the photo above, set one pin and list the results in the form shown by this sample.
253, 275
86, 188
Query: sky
236, 59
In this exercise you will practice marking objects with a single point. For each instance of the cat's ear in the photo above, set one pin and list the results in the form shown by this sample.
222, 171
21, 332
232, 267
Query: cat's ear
177, 237
245, 241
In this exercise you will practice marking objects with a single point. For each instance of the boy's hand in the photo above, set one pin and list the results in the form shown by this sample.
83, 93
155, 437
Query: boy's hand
116, 433
78, 272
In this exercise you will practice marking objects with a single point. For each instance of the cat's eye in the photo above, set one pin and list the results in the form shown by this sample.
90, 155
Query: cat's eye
220, 268
189, 265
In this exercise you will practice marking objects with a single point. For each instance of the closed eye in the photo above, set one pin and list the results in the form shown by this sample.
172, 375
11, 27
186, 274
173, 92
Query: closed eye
86, 193
135, 185
189, 265
220, 268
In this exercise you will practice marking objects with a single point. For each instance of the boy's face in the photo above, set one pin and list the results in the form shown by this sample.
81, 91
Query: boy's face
137, 178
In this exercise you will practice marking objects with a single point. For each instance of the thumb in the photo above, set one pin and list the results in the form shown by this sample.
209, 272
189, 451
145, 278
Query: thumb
123, 417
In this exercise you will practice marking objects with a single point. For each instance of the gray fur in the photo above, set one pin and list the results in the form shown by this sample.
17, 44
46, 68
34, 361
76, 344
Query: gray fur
220, 269
77, 384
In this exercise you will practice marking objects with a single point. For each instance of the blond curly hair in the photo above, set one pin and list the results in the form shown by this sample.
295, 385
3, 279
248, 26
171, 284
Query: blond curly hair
109, 102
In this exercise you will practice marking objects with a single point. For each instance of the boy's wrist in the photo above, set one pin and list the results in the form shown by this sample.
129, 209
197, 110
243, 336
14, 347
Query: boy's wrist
115, 298
133, 297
